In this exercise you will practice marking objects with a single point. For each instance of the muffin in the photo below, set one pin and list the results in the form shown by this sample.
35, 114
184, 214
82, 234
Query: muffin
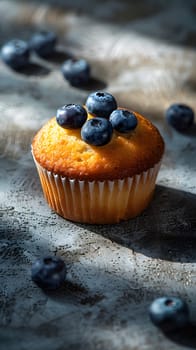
98, 163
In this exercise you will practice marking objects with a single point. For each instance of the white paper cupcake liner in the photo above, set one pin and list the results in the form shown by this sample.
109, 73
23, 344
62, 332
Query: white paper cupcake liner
108, 201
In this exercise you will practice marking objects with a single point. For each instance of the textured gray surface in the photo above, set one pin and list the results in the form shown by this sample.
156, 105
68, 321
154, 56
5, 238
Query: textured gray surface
147, 60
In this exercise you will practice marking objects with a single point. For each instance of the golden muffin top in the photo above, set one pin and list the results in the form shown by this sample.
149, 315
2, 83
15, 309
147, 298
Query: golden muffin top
64, 152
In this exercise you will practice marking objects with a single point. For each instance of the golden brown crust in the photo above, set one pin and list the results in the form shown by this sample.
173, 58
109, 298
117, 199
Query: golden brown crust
63, 152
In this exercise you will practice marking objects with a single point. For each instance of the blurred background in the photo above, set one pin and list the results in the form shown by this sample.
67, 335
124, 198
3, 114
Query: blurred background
143, 52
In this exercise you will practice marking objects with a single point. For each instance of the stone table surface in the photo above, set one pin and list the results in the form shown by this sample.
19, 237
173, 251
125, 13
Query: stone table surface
144, 54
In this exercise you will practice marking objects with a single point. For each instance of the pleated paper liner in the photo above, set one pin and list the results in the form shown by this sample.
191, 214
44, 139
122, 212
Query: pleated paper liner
98, 202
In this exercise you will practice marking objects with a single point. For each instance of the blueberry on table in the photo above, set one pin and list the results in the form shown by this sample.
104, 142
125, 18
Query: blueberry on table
76, 72
169, 313
71, 116
15, 53
48, 272
97, 131
180, 116
101, 104
43, 43
123, 121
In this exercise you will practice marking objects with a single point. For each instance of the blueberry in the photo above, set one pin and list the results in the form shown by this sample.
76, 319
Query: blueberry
15, 53
48, 272
71, 116
97, 131
123, 120
180, 116
101, 104
77, 72
169, 313
43, 43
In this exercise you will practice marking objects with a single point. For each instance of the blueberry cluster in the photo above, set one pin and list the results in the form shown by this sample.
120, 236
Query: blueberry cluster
98, 130
16, 54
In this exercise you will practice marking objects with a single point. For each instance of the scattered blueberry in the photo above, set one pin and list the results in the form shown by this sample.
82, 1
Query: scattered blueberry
48, 272
169, 313
101, 104
180, 116
123, 120
15, 53
77, 72
97, 131
71, 116
43, 43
